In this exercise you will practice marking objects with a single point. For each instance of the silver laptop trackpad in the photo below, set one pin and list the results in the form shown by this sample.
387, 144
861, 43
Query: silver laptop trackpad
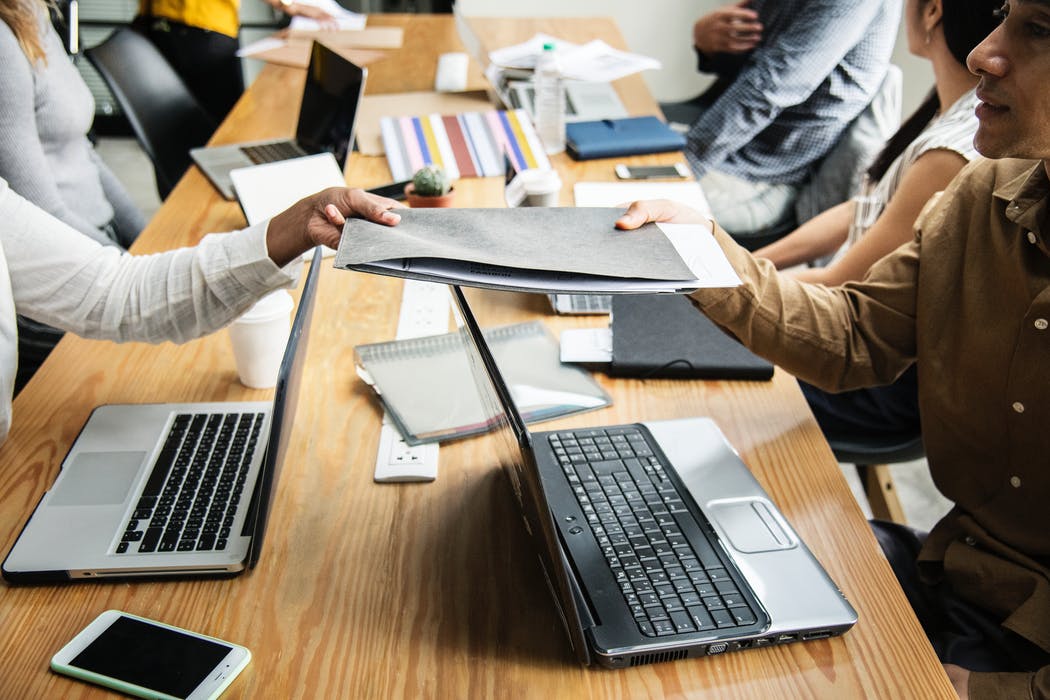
750, 525
97, 479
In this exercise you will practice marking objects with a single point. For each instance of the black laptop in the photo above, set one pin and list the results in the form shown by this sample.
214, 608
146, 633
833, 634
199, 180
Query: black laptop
333, 90
657, 542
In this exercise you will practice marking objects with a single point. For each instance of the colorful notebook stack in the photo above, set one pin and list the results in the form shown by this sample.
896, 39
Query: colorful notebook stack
471, 144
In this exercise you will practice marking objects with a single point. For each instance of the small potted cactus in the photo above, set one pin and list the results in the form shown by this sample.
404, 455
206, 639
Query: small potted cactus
430, 187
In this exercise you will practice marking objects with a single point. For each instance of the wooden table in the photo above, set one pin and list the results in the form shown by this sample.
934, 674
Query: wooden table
425, 590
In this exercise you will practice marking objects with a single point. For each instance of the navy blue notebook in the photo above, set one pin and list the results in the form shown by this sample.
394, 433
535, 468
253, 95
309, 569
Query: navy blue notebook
609, 138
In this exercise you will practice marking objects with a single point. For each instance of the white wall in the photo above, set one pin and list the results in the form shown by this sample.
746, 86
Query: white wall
663, 29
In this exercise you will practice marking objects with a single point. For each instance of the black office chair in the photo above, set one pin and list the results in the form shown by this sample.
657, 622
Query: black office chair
872, 457
166, 118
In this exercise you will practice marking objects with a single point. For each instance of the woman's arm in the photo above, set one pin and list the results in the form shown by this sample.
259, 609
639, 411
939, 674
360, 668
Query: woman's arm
64, 279
928, 175
822, 235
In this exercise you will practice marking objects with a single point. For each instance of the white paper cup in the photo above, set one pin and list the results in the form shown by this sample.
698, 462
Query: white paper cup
542, 187
259, 338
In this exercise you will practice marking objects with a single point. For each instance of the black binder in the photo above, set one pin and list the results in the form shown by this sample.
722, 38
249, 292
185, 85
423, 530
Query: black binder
664, 335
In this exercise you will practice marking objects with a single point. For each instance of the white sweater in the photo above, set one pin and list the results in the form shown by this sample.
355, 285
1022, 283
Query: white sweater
53, 274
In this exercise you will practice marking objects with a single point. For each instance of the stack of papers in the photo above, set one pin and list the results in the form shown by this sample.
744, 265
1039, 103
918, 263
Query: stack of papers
595, 61
538, 249
344, 19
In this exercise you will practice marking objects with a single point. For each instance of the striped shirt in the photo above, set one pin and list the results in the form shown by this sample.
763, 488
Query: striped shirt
952, 131
819, 64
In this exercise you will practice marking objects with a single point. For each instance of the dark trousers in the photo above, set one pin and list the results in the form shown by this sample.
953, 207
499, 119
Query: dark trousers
891, 410
206, 61
960, 632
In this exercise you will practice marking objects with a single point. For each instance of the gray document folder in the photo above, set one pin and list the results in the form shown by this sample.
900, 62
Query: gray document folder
534, 249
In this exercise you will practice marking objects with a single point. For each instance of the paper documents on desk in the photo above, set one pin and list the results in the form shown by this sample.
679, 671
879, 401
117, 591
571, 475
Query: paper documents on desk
595, 61
343, 18
537, 249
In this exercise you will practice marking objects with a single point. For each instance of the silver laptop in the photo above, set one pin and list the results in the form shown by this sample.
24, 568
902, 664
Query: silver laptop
166, 489
655, 539
333, 90
584, 101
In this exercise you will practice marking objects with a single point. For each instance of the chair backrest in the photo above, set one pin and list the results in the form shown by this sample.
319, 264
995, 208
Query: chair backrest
167, 120
840, 172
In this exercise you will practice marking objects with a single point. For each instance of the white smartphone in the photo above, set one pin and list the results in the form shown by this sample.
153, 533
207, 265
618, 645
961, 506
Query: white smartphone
149, 659
648, 172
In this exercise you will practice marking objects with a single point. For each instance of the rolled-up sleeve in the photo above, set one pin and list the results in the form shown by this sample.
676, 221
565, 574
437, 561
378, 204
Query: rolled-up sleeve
841, 338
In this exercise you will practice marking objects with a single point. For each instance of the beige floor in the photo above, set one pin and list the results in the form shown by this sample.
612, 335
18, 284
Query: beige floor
923, 504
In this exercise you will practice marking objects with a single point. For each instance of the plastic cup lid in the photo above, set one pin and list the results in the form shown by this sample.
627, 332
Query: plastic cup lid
271, 306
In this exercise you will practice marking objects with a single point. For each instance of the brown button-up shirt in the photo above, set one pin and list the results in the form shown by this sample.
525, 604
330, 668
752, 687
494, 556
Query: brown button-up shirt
969, 301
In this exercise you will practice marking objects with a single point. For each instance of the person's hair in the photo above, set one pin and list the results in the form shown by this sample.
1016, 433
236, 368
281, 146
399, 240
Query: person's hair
965, 24
23, 17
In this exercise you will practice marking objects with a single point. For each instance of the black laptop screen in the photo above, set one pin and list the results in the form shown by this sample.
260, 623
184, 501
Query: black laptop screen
518, 462
330, 99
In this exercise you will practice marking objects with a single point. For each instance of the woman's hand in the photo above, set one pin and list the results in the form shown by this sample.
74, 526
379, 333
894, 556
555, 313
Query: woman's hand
319, 218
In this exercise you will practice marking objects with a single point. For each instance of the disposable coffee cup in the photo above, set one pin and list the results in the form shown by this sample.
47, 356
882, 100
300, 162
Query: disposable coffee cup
259, 338
542, 187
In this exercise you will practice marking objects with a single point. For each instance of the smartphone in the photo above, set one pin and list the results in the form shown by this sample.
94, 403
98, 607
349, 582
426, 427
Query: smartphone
647, 172
149, 659
395, 190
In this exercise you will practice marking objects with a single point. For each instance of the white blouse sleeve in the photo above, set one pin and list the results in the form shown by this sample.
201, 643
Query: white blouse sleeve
62, 278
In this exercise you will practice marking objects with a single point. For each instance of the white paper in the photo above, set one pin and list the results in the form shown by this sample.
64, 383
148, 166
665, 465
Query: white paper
267, 190
524, 55
702, 254
260, 46
615, 194
595, 61
586, 345
598, 62
344, 19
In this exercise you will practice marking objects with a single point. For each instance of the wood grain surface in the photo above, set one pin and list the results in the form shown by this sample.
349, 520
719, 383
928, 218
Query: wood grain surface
425, 590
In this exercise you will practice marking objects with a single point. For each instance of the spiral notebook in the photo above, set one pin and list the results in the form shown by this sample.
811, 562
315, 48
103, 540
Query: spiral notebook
426, 384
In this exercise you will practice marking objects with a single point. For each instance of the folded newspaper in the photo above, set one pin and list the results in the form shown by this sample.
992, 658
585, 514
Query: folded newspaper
538, 249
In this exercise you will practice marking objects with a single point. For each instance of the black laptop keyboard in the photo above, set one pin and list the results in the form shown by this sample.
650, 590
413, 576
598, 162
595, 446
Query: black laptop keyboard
273, 152
191, 497
671, 585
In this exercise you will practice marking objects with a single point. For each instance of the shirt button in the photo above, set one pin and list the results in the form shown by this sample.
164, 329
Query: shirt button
1015, 481
1018, 406
970, 540
1041, 324
1031, 237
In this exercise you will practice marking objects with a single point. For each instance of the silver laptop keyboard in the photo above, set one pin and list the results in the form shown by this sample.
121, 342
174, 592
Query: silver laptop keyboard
273, 152
192, 495
671, 585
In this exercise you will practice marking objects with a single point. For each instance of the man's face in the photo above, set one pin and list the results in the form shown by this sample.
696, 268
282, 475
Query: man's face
1013, 64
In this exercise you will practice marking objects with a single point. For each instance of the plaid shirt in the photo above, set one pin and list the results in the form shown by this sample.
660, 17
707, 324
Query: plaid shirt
819, 64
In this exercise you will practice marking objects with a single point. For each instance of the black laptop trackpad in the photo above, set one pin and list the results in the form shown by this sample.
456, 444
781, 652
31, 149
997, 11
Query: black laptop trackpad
97, 479
750, 526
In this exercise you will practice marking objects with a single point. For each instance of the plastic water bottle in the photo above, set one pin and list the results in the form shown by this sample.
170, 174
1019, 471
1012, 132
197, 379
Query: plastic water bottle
550, 100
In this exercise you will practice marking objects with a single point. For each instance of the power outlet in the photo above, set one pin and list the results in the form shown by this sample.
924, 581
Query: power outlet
424, 311
399, 461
